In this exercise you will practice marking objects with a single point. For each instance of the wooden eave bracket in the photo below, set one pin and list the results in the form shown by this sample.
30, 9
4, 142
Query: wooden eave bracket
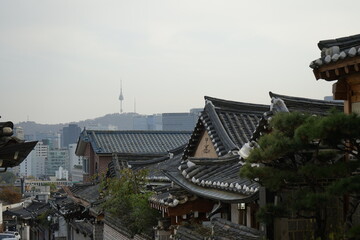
334, 71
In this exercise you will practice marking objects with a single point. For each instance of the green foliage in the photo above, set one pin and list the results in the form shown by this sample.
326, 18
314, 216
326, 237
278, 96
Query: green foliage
269, 212
127, 199
354, 233
306, 155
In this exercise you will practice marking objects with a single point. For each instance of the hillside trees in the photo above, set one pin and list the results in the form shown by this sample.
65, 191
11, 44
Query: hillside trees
315, 159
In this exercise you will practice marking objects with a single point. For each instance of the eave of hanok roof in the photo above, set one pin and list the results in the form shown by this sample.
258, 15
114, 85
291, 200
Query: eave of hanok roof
131, 142
339, 57
307, 105
14, 153
290, 104
211, 193
229, 124
152, 163
215, 178
84, 194
32, 211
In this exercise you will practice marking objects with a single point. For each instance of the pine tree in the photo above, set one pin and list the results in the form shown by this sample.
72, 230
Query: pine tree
313, 159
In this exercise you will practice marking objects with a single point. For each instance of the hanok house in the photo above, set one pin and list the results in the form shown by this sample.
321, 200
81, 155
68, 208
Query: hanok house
78, 212
290, 228
113, 227
340, 62
208, 171
29, 221
97, 147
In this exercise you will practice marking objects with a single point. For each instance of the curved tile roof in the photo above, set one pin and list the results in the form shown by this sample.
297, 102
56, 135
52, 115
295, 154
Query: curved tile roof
229, 124
215, 192
335, 50
218, 174
155, 142
306, 105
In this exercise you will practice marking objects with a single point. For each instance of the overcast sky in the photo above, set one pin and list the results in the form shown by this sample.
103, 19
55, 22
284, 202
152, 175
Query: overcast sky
62, 61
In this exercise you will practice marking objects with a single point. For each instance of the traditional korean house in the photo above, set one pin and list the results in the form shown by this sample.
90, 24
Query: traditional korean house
30, 221
289, 228
339, 61
113, 227
208, 170
83, 214
97, 147
105, 154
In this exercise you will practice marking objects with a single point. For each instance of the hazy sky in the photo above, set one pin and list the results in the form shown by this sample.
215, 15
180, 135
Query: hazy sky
62, 61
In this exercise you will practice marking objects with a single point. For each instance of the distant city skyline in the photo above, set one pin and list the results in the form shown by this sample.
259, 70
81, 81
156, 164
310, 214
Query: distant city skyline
62, 61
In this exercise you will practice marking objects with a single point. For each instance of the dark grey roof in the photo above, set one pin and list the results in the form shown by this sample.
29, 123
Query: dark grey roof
307, 105
343, 42
226, 230
229, 124
188, 233
218, 175
149, 142
14, 152
335, 50
115, 223
87, 192
212, 192
172, 197
33, 210
66, 206
153, 163
83, 226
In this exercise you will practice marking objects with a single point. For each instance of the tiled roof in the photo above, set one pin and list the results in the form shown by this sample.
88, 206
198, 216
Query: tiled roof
65, 206
337, 51
141, 161
224, 229
33, 210
83, 226
229, 124
87, 192
306, 105
14, 148
154, 142
187, 233
220, 174
172, 197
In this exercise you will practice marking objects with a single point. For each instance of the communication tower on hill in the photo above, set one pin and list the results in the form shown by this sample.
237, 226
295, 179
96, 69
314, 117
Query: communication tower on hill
121, 97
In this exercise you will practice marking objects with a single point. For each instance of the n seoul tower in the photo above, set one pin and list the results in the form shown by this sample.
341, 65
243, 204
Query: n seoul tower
121, 97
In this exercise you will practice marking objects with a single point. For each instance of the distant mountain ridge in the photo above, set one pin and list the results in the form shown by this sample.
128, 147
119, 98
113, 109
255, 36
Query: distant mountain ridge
123, 121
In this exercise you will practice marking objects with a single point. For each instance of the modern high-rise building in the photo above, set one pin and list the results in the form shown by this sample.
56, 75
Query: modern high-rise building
76, 164
56, 158
34, 164
39, 156
70, 135
168, 121
62, 174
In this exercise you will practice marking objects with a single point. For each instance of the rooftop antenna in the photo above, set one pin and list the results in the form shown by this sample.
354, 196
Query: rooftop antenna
121, 97
134, 105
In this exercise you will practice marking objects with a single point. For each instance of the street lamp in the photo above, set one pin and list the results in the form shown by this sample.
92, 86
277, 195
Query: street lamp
15, 218
49, 231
